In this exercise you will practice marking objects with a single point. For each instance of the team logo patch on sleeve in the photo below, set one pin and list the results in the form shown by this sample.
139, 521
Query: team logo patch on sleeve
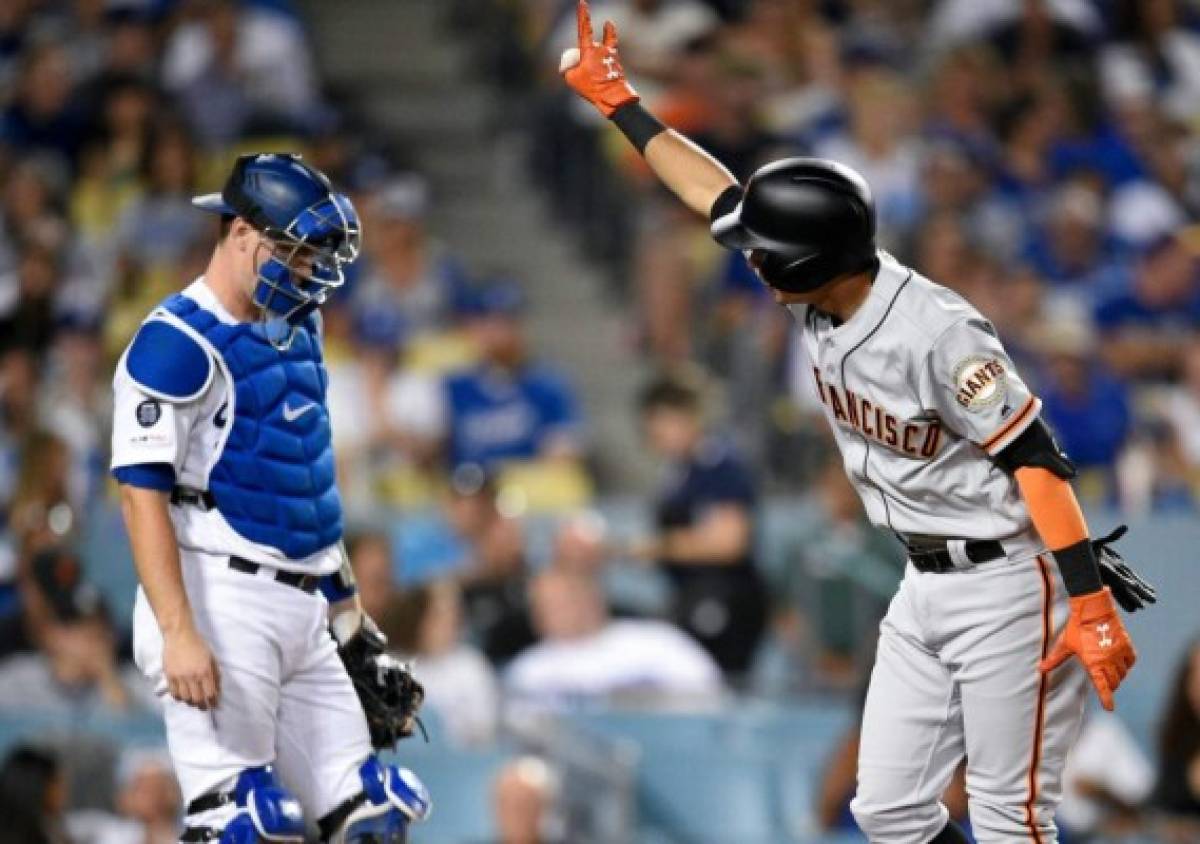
979, 382
148, 412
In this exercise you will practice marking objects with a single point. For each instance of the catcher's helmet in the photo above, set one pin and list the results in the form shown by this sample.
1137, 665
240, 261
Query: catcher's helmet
313, 230
811, 219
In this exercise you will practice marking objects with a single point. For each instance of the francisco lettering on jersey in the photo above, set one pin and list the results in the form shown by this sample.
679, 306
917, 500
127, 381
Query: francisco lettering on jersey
914, 438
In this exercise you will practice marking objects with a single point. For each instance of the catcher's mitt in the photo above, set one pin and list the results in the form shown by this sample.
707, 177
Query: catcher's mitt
1127, 586
389, 693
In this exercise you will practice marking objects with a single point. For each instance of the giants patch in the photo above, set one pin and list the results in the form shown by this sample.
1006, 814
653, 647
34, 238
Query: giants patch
979, 382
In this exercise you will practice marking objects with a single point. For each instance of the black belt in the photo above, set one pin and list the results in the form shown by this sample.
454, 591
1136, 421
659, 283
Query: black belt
303, 582
930, 553
203, 499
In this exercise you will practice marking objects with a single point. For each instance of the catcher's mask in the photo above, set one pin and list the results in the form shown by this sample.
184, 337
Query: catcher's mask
310, 232
802, 222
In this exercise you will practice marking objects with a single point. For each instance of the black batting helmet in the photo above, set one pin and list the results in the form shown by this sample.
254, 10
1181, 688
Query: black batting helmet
812, 219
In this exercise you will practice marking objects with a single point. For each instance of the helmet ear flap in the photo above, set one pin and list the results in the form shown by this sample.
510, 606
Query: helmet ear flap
805, 273
795, 273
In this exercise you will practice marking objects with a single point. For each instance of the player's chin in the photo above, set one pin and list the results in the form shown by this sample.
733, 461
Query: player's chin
786, 297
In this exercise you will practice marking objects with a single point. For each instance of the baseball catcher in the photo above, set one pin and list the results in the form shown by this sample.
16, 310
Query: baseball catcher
275, 686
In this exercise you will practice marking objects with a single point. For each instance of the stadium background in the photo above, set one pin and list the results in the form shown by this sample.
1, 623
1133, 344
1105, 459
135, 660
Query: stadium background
1041, 157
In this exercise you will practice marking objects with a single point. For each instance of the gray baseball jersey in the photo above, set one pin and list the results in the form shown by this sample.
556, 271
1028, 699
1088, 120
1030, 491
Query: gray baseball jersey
920, 394
919, 391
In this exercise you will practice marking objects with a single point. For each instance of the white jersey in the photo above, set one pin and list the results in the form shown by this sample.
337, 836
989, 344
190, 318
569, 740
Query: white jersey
919, 393
189, 437
630, 657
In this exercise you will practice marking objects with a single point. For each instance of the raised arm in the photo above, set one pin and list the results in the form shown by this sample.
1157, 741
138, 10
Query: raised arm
594, 72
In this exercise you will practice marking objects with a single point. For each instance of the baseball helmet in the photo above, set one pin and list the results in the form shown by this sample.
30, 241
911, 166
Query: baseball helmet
313, 233
810, 219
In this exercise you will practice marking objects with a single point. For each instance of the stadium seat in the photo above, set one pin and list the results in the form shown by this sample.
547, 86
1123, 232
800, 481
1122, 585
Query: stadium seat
706, 795
743, 775
31, 726
460, 782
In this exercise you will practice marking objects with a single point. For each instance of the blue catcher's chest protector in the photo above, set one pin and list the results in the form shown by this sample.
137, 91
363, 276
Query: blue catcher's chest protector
274, 479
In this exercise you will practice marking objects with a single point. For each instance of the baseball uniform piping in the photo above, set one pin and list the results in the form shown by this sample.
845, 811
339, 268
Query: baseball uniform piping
1043, 681
887, 510
1013, 426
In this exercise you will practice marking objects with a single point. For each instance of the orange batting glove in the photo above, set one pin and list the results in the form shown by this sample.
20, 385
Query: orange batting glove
1095, 634
593, 70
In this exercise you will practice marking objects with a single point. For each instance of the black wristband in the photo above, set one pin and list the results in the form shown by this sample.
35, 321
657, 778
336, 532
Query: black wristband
637, 124
1080, 573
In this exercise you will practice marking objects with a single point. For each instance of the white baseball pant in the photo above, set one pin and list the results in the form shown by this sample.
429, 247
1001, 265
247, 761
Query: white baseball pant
285, 696
956, 673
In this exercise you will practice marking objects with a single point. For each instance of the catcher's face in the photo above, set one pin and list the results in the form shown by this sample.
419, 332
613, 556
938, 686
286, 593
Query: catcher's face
244, 244
252, 249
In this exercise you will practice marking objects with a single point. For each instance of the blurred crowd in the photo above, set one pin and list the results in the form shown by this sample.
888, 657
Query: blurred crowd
1041, 157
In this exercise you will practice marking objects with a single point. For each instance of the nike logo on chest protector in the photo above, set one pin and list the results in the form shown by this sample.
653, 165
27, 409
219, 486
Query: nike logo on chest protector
291, 414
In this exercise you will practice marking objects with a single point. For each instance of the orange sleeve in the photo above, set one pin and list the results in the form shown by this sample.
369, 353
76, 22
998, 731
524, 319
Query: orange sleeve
1052, 506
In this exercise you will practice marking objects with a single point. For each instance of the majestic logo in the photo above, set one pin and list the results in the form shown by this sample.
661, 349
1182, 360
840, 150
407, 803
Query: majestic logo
919, 437
979, 382
1106, 641
291, 414
148, 413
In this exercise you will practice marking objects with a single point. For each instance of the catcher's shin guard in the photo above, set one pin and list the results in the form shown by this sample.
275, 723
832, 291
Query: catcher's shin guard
257, 809
391, 799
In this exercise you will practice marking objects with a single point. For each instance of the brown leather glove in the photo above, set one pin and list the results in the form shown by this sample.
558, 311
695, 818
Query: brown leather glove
594, 70
1095, 634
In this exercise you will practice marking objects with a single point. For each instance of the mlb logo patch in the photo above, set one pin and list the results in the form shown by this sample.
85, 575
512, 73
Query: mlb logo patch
148, 413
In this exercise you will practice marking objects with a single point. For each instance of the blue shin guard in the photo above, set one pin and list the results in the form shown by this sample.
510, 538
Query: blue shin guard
266, 812
391, 799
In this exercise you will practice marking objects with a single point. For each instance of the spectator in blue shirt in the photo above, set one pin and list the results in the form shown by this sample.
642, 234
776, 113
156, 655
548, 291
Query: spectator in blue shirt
508, 407
44, 115
406, 275
1144, 327
1072, 250
1087, 408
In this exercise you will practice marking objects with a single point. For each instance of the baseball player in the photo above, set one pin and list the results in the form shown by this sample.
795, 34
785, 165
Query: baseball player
1006, 608
274, 684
